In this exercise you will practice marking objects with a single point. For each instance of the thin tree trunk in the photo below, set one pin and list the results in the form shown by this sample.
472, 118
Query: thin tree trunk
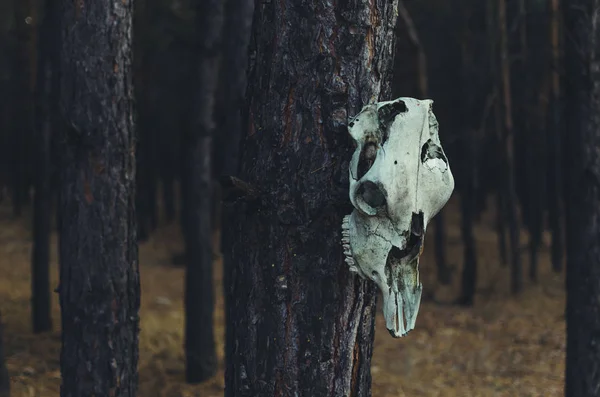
99, 272
467, 209
237, 28
492, 33
45, 111
555, 209
197, 196
22, 94
533, 148
4, 377
511, 196
301, 323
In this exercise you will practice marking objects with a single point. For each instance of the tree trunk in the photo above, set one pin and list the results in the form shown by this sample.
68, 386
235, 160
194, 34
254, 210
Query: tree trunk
583, 261
44, 117
99, 272
467, 209
21, 118
516, 271
301, 323
230, 100
4, 378
556, 210
197, 196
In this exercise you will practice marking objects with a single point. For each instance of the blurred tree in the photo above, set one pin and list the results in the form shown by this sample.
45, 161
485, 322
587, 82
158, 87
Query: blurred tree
99, 273
556, 208
467, 166
516, 270
301, 324
582, 57
231, 91
22, 82
45, 109
4, 378
196, 188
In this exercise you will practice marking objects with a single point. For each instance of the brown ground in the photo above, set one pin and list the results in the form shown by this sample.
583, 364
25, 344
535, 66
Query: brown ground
502, 347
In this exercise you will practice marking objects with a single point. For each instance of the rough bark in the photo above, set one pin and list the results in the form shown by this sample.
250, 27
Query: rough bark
99, 272
4, 378
582, 57
197, 196
301, 323
46, 90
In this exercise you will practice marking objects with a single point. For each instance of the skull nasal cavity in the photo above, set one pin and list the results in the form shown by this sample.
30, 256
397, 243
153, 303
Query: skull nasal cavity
371, 194
366, 159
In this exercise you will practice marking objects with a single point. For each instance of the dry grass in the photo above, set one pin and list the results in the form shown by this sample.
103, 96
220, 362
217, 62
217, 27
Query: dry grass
502, 347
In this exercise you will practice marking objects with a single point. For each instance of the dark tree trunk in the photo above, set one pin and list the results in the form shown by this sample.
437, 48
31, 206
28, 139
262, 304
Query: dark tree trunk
301, 324
468, 208
556, 122
444, 275
4, 378
21, 118
197, 196
44, 117
500, 207
516, 270
230, 100
583, 227
99, 272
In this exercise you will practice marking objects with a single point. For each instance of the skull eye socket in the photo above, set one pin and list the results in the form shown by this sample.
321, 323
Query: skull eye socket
371, 194
366, 159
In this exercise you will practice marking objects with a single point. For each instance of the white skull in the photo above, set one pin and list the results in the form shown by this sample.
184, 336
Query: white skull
399, 180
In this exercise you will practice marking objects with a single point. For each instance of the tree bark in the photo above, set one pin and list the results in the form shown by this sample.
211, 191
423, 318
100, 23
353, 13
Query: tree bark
4, 378
197, 196
99, 272
582, 58
301, 323
44, 117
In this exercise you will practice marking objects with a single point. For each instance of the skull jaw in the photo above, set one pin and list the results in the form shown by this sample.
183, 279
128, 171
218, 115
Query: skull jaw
401, 301
399, 283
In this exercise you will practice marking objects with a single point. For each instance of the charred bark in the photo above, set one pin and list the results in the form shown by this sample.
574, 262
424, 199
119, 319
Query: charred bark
301, 324
4, 378
46, 90
582, 57
99, 272
197, 196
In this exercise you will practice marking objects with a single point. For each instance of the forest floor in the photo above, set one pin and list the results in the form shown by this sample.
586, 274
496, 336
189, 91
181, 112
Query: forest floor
503, 346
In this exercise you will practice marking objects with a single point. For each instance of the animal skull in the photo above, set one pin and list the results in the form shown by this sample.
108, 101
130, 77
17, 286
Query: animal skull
399, 180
